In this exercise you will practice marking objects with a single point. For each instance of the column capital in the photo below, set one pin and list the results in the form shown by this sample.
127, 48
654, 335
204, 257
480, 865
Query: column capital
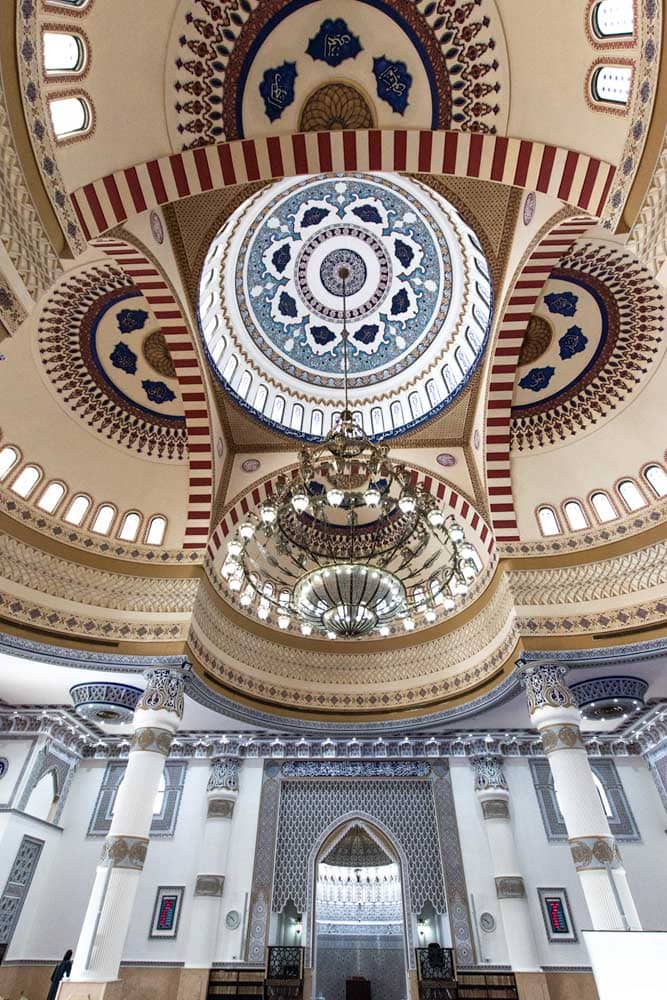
545, 686
489, 774
164, 694
223, 780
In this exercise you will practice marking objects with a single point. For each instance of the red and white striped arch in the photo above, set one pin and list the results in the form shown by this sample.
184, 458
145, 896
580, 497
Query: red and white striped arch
150, 282
255, 495
575, 178
511, 331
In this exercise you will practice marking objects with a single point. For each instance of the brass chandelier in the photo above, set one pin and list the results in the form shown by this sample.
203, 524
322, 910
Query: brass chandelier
351, 545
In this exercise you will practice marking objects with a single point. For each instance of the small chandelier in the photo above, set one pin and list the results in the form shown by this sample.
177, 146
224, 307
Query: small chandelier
351, 545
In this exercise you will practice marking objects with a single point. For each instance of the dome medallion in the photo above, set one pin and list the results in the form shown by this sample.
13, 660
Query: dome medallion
418, 302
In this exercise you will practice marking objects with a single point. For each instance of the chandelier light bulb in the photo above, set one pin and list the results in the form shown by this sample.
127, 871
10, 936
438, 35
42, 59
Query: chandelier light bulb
247, 530
283, 621
384, 630
234, 548
436, 518
235, 583
300, 502
469, 569
408, 624
246, 600
449, 603
407, 503
335, 496
268, 513
430, 615
306, 629
372, 496
456, 532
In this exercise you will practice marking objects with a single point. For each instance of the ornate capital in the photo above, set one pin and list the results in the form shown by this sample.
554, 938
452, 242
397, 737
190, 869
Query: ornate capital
567, 737
495, 809
209, 885
545, 687
589, 853
124, 852
510, 887
488, 772
224, 775
164, 691
152, 739
220, 809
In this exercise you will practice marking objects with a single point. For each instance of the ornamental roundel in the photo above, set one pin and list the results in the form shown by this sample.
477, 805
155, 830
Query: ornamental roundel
335, 107
593, 341
418, 302
107, 362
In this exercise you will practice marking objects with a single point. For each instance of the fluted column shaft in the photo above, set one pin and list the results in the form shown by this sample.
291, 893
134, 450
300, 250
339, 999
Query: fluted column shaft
221, 795
493, 795
595, 852
157, 715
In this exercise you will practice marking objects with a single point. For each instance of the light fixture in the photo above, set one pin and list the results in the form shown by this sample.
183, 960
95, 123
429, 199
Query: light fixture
352, 545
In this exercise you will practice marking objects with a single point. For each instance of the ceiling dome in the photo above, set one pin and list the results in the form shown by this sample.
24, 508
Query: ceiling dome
418, 302
357, 849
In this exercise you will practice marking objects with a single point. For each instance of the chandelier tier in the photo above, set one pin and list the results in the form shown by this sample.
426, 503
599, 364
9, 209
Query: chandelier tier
351, 544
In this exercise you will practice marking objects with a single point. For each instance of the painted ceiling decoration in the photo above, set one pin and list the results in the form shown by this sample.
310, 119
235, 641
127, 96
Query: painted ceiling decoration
251, 68
357, 849
593, 342
419, 303
106, 360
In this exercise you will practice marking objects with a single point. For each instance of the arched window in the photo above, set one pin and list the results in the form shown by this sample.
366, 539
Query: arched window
26, 480
611, 84
604, 799
630, 494
574, 515
158, 801
244, 385
448, 379
415, 405
260, 398
70, 116
548, 522
603, 507
63, 53
130, 525
296, 420
612, 19
473, 339
8, 458
278, 409
462, 359
376, 420
396, 413
230, 368
656, 477
103, 519
432, 392
316, 422
157, 527
78, 509
51, 497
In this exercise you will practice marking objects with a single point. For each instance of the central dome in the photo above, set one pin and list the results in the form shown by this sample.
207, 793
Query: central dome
418, 302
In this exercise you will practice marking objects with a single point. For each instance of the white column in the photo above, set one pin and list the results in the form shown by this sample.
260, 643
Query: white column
594, 850
100, 947
493, 795
221, 795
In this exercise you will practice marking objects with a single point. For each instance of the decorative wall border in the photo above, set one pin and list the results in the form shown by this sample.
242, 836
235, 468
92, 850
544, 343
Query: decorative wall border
518, 309
576, 178
151, 283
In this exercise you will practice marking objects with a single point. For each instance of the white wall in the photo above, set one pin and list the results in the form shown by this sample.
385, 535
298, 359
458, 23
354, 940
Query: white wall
16, 752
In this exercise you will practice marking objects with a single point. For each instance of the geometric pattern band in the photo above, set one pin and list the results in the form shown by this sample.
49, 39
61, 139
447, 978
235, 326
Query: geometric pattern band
575, 178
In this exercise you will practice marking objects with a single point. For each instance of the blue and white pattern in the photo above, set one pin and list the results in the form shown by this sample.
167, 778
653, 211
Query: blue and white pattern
399, 280
334, 43
572, 342
561, 303
277, 89
131, 319
537, 379
393, 83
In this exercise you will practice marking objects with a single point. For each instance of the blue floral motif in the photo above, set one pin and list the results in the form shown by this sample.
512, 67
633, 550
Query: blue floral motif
367, 333
131, 319
313, 216
124, 358
393, 82
572, 342
158, 392
403, 252
281, 258
562, 303
287, 305
537, 379
277, 89
334, 43
400, 302
322, 335
367, 213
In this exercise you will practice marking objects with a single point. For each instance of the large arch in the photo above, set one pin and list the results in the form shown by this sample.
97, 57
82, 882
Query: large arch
511, 330
150, 281
575, 178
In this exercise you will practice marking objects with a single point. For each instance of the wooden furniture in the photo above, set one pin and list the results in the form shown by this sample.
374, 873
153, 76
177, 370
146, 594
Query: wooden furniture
284, 973
245, 984
357, 988
436, 973
487, 986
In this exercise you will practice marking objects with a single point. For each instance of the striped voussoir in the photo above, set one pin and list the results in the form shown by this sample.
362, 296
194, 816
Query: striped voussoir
511, 331
150, 282
575, 178
457, 504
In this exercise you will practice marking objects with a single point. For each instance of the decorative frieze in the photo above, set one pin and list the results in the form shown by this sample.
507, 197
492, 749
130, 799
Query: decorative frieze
356, 769
220, 809
589, 853
209, 885
151, 739
495, 809
164, 691
124, 852
561, 738
510, 887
